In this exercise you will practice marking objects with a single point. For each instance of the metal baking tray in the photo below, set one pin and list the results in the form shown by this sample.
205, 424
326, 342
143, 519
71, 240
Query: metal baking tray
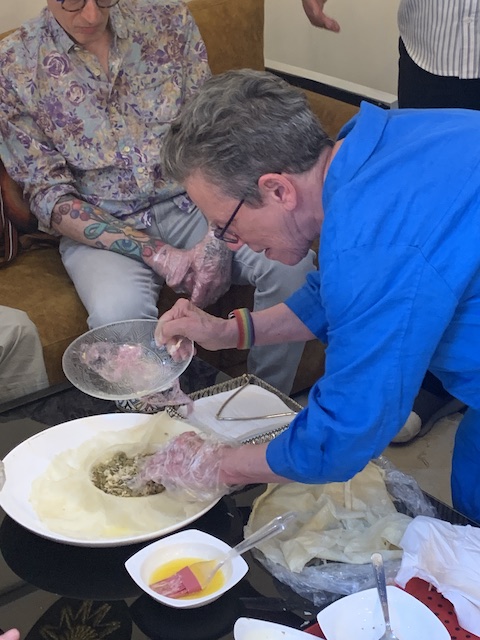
236, 383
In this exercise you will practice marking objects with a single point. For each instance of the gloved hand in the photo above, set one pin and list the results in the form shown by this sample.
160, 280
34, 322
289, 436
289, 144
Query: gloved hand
173, 397
188, 464
203, 272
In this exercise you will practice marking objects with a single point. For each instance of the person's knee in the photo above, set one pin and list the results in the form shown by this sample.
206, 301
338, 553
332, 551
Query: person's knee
270, 275
282, 279
17, 327
131, 305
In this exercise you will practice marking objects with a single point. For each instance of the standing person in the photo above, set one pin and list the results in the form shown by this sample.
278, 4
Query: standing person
396, 294
439, 51
22, 369
438, 67
88, 90
439, 54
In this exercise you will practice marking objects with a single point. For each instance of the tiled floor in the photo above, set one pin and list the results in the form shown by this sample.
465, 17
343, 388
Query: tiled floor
427, 459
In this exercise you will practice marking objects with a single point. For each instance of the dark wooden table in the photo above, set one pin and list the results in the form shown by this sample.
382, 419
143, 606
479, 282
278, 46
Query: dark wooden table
53, 591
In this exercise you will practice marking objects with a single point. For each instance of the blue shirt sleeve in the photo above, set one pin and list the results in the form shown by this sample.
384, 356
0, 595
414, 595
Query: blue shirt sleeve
307, 305
381, 338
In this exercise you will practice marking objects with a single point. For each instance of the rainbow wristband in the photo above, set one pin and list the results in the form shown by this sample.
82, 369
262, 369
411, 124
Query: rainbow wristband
246, 330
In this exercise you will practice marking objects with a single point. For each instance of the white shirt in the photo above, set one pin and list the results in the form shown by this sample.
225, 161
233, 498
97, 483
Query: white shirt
442, 36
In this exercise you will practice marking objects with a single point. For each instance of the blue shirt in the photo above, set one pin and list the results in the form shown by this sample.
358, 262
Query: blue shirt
399, 288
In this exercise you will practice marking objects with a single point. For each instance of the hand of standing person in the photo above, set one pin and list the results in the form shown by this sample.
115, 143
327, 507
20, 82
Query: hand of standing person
185, 319
316, 15
274, 325
188, 464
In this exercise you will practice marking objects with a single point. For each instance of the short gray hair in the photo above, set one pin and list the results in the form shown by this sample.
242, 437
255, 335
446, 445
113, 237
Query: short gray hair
239, 126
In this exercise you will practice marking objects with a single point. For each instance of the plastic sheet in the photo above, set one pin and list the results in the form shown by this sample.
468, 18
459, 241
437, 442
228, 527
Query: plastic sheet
202, 272
323, 581
188, 465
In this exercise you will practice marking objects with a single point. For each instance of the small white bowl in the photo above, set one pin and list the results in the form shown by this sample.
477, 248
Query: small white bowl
186, 544
253, 629
360, 616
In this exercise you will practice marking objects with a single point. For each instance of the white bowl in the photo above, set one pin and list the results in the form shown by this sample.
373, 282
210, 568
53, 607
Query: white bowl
186, 544
360, 616
252, 629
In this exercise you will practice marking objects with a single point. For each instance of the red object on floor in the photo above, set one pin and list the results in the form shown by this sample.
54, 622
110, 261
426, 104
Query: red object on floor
314, 630
434, 600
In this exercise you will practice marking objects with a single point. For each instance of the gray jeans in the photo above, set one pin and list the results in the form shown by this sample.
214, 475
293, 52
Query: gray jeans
113, 287
22, 369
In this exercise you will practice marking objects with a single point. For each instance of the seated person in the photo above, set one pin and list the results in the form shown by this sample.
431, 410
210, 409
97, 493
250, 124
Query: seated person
22, 369
88, 90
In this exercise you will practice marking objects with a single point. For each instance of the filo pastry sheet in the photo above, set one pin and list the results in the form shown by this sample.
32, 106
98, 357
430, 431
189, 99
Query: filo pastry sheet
67, 501
339, 521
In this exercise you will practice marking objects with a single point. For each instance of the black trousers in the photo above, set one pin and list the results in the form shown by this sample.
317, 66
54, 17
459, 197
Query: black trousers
420, 89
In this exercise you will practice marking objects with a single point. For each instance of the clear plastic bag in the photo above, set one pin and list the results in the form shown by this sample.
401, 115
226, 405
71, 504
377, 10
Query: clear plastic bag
322, 581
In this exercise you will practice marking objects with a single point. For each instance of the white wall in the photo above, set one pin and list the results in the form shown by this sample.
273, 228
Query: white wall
364, 53
13, 13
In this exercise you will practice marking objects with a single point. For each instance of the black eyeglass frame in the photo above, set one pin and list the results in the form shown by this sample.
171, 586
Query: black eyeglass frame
109, 6
221, 232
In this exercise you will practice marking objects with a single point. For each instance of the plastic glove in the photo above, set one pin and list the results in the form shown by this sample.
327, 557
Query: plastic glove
188, 464
203, 272
173, 397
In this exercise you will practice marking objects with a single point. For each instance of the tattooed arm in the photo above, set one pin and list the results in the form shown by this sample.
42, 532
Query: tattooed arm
202, 272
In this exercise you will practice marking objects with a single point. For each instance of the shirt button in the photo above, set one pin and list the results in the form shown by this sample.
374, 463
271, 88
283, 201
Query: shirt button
141, 170
126, 149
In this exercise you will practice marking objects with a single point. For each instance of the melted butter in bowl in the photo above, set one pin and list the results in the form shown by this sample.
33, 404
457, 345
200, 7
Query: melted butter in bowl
165, 557
170, 568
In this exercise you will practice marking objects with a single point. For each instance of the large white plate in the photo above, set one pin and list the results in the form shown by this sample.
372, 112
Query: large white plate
31, 458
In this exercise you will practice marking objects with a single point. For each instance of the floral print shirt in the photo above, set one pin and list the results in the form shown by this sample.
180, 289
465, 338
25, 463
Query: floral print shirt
67, 128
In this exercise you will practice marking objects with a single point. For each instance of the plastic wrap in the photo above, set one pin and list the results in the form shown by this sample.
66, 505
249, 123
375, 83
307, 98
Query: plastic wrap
188, 465
324, 581
202, 272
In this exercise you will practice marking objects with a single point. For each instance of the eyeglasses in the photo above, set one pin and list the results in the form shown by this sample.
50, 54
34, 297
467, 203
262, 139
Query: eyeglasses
221, 233
77, 5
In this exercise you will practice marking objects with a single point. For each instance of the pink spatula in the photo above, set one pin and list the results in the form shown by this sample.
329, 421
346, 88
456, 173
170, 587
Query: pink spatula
197, 576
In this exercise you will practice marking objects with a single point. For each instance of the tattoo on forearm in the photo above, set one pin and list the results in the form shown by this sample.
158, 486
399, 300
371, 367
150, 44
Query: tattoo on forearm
134, 243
